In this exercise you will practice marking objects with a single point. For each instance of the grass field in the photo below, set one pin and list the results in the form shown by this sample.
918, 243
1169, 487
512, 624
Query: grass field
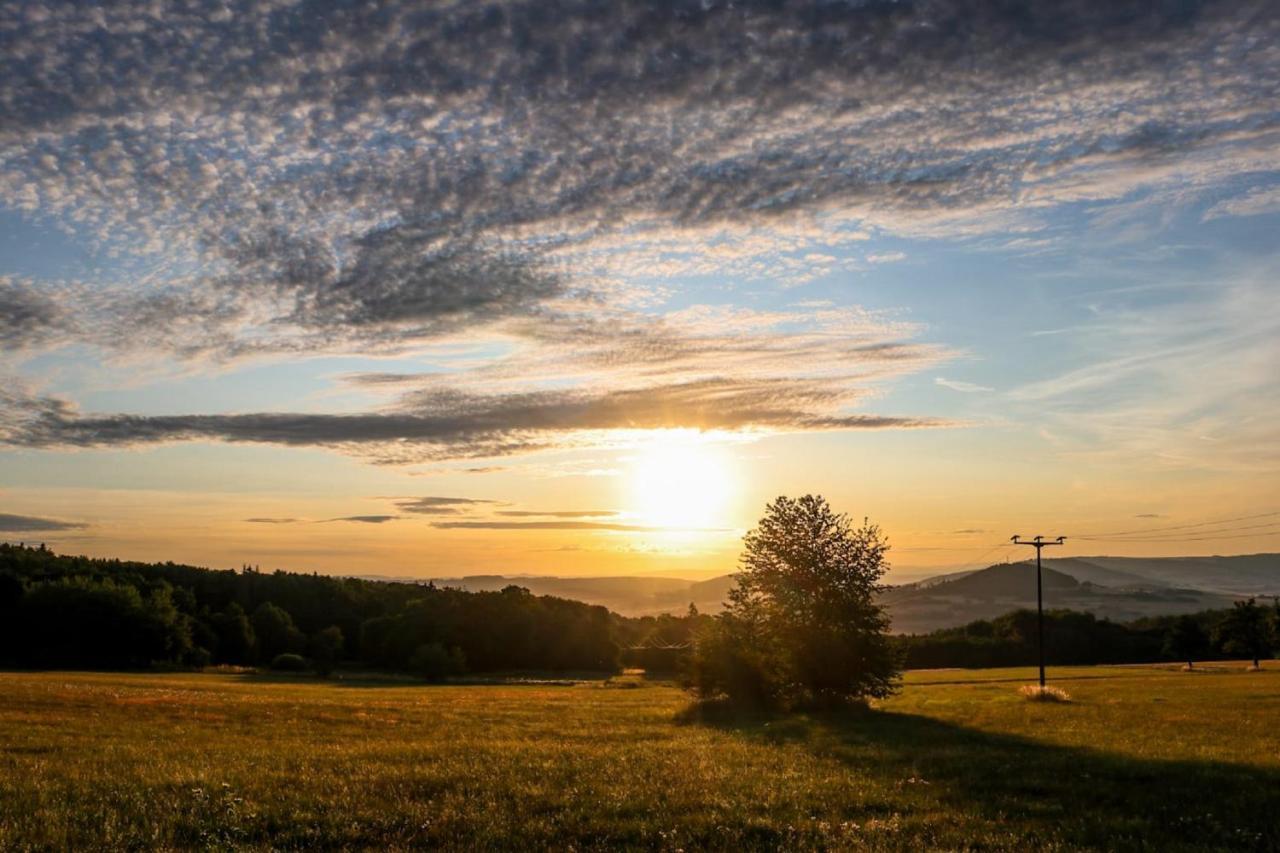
1141, 758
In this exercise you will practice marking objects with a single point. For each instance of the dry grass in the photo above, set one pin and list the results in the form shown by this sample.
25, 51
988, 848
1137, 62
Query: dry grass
1048, 693
957, 761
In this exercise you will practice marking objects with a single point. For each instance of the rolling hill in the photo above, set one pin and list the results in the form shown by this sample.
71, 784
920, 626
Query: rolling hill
950, 601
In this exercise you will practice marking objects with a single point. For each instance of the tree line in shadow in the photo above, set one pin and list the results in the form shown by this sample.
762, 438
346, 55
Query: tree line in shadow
60, 611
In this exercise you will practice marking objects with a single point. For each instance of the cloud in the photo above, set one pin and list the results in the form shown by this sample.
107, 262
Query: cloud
273, 520
31, 524
452, 424
320, 177
288, 180
364, 519
571, 513
27, 315
1152, 380
962, 387
557, 525
1256, 202
434, 505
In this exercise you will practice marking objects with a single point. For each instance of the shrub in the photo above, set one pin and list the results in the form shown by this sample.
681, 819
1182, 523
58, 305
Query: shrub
289, 662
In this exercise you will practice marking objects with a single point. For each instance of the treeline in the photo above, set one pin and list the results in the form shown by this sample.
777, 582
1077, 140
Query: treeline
60, 611
1249, 630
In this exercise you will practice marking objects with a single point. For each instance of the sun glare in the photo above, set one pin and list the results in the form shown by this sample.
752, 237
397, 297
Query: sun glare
681, 480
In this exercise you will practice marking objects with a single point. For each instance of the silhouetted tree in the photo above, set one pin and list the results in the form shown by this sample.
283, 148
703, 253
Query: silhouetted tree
1244, 631
79, 622
236, 641
275, 632
11, 590
802, 623
326, 648
1186, 640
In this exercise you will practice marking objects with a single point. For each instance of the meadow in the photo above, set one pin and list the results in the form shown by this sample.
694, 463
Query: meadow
1141, 758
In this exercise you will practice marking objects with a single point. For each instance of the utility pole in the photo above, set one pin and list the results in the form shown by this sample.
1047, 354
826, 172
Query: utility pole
1038, 543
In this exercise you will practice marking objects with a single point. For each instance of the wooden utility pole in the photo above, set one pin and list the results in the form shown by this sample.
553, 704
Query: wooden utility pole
1038, 543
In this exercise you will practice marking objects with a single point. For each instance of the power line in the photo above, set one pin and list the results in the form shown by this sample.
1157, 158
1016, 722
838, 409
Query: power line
1215, 538
1265, 524
1177, 526
984, 555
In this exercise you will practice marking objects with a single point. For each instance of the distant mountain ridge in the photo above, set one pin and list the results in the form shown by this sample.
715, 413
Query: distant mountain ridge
1119, 588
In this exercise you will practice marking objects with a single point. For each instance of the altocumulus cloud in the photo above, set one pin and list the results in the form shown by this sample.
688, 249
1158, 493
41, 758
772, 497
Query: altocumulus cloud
305, 177
406, 165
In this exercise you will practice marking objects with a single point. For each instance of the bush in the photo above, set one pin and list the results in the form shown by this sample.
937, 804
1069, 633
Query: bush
289, 662
433, 662
725, 663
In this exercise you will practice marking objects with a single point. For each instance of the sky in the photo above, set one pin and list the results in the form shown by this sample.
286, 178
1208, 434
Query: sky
438, 289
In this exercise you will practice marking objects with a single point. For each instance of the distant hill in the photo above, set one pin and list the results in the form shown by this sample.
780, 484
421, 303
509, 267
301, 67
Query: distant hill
1118, 588
627, 595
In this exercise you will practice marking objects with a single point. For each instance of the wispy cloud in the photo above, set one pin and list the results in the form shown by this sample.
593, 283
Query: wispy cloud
32, 524
451, 424
1253, 203
962, 387
614, 526
561, 513
438, 505
1171, 375
365, 519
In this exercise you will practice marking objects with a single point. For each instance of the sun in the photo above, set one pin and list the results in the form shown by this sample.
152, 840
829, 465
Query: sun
679, 479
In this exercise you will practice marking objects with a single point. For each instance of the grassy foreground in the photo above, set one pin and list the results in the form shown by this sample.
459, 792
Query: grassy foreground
1141, 758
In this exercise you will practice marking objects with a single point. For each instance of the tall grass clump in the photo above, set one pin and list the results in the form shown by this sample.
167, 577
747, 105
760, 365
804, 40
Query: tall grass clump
1036, 693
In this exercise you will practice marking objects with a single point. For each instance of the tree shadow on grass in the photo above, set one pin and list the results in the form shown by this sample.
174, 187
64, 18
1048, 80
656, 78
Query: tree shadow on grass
1043, 794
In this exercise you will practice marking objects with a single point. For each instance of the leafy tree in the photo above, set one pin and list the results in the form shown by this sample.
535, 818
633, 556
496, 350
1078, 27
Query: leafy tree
1186, 640
1244, 631
236, 640
802, 623
82, 622
326, 648
275, 631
